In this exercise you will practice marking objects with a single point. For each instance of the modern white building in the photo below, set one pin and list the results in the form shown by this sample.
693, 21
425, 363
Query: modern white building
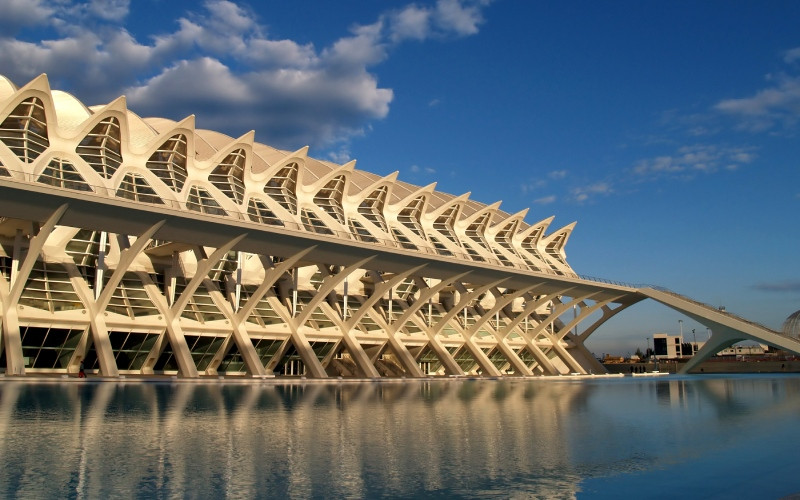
145, 246
667, 346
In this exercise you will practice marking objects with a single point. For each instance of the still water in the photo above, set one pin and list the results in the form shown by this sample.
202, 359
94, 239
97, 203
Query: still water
699, 437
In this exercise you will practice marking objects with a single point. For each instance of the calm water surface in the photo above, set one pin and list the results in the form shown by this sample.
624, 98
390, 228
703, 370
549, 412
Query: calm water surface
699, 437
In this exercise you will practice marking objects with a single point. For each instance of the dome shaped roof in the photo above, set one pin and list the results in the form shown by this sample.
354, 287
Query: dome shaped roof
791, 326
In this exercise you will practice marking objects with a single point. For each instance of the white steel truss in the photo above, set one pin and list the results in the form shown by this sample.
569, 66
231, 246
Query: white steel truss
146, 247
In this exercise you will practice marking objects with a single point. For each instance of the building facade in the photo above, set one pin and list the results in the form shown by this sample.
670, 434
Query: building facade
145, 246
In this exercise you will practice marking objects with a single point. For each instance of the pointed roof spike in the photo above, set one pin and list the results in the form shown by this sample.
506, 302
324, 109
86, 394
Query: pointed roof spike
247, 138
563, 234
420, 191
300, 153
367, 190
480, 212
119, 104
187, 123
264, 176
447, 206
518, 217
542, 226
41, 83
345, 170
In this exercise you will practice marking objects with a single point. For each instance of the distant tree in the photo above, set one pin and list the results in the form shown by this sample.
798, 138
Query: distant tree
639, 353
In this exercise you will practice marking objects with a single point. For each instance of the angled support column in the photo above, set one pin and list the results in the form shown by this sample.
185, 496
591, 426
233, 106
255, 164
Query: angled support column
238, 319
328, 285
477, 353
530, 340
580, 351
451, 367
405, 358
590, 362
555, 338
238, 335
279, 354
172, 315
238, 330
380, 290
96, 308
585, 313
501, 302
296, 338
12, 341
272, 273
721, 338
608, 313
97, 324
326, 361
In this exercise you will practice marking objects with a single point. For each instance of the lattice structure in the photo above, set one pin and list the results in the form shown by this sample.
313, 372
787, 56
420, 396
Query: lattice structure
146, 247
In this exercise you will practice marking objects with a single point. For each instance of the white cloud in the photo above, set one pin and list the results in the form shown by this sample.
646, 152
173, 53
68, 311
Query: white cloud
776, 105
791, 55
416, 169
557, 174
584, 193
459, 17
687, 160
15, 14
446, 18
220, 63
545, 200
110, 10
532, 185
412, 22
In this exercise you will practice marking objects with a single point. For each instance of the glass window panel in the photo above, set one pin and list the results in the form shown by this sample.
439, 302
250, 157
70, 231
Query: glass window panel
200, 200
135, 187
168, 163
63, 174
282, 187
24, 131
228, 176
101, 148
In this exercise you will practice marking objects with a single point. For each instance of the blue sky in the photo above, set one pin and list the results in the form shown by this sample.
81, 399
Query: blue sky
668, 130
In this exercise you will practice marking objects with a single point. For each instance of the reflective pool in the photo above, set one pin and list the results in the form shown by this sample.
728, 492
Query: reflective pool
700, 436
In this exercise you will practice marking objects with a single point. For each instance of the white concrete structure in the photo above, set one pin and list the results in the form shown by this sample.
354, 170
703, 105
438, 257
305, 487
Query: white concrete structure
666, 346
145, 246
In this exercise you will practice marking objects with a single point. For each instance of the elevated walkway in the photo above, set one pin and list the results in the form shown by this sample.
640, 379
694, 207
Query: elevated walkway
727, 329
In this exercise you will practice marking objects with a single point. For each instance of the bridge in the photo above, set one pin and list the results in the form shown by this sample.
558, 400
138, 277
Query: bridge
146, 247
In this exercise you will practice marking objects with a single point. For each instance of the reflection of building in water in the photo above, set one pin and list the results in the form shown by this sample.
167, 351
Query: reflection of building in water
467, 438
144, 246
296, 441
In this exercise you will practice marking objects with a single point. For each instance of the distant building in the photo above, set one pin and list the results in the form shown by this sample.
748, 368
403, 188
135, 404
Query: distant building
744, 350
667, 346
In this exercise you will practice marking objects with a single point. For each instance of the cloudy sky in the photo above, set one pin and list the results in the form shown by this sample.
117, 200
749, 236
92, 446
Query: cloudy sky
668, 130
